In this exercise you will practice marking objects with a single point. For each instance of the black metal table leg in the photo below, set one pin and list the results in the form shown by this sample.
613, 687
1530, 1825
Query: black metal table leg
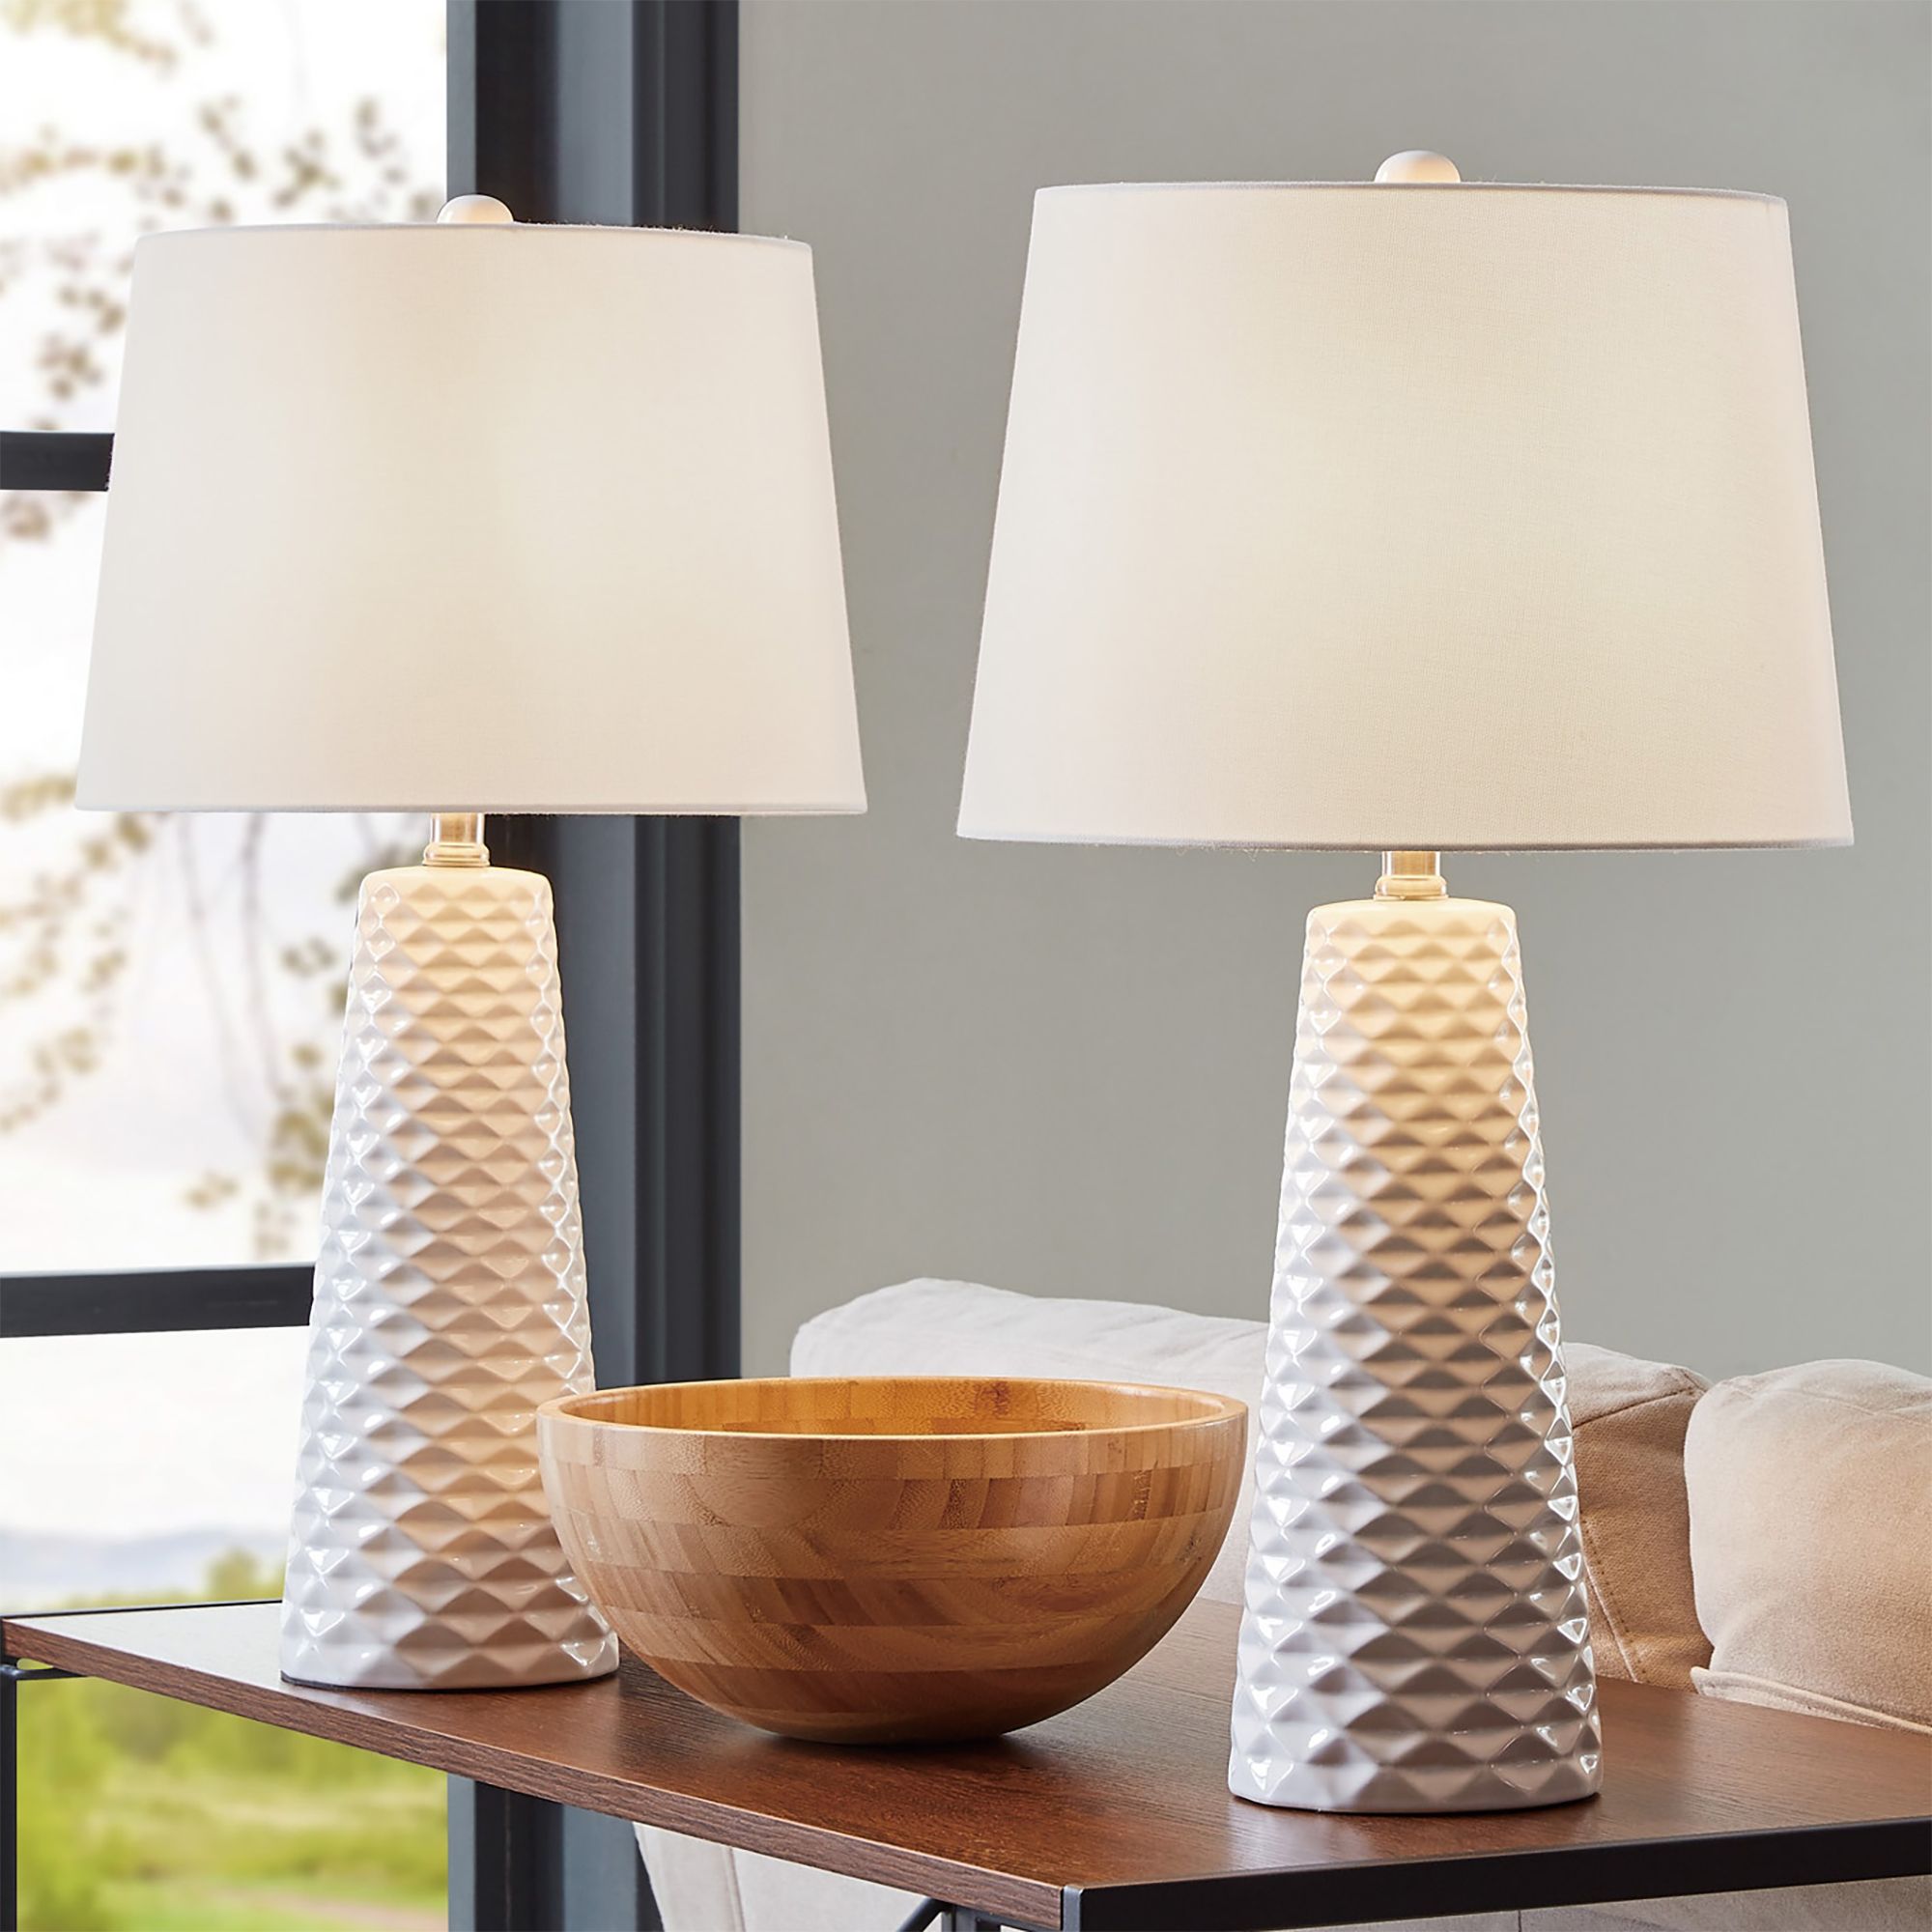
937, 1915
13, 1674
512, 1878
10, 1797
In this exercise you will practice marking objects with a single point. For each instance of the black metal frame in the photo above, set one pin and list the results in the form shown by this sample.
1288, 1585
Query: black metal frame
622, 113
33, 459
155, 1302
939, 1917
1564, 1875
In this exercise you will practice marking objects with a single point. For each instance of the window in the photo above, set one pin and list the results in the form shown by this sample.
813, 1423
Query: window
170, 998
624, 111
169, 986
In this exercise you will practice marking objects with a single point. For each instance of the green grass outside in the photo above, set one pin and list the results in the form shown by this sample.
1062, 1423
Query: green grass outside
140, 1814
185, 1908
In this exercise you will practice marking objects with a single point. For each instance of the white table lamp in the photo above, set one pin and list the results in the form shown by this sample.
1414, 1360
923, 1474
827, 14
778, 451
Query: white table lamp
1409, 516
469, 517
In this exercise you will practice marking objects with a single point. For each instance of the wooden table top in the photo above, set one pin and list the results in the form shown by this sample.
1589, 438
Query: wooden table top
1113, 1815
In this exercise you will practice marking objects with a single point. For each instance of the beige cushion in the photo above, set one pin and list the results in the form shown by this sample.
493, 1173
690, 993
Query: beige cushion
695, 1883
700, 1887
965, 1328
1629, 1417
1809, 1492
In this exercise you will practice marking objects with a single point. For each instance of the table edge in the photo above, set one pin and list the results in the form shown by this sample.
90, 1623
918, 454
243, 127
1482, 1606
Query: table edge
1759, 1859
1033, 1905
1538, 1878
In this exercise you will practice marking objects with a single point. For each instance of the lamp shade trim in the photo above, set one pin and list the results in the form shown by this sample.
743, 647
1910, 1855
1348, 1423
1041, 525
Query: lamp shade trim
178, 237
417, 800
1376, 188
1382, 844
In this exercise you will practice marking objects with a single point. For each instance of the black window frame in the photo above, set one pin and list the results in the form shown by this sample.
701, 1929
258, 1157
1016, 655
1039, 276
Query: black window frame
622, 113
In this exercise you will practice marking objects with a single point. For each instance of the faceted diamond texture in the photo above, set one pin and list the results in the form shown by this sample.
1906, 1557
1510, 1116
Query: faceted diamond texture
1416, 1634
449, 1302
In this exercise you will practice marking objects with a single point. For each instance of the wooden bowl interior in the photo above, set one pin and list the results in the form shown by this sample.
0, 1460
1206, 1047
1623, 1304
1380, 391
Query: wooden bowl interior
911, 1406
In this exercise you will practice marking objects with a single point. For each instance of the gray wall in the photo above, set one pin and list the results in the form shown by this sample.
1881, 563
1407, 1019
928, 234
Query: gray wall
1066, 1070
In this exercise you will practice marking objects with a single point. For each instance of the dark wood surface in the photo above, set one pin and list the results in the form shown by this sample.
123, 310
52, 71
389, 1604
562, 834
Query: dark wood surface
1115, 1814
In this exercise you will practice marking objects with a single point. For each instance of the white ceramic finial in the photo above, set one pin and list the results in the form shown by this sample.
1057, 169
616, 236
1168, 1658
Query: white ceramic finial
1418, 164
467, 209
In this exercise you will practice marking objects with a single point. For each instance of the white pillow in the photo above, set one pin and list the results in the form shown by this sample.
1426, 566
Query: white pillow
1809, 1492
962, 1328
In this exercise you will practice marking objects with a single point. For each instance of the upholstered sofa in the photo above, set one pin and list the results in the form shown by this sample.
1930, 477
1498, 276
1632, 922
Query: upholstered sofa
1762, 1540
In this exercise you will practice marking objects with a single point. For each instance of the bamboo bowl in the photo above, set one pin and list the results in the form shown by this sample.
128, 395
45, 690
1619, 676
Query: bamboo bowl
879, 1560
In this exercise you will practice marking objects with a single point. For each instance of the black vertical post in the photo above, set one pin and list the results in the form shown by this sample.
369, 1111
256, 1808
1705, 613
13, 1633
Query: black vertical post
10, 1799
513, 1879
688, 1172
684, 84
624, 112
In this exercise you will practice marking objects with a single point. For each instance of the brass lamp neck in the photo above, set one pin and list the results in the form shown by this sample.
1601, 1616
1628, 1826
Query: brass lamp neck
1412, 876
456, 839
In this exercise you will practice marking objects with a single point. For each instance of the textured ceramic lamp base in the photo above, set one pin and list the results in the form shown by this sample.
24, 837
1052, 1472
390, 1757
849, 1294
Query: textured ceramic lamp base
449, 1302
1415, 1636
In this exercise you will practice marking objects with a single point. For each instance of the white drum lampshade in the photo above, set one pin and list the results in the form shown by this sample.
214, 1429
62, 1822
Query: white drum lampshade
1409, 516
464, 518
1384, 515
492, 516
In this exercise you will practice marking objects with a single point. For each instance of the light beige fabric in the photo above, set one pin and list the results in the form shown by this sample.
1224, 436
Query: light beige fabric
695, 1882
1810, 1491
1629, 1417
1735, 1687
705, 1888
